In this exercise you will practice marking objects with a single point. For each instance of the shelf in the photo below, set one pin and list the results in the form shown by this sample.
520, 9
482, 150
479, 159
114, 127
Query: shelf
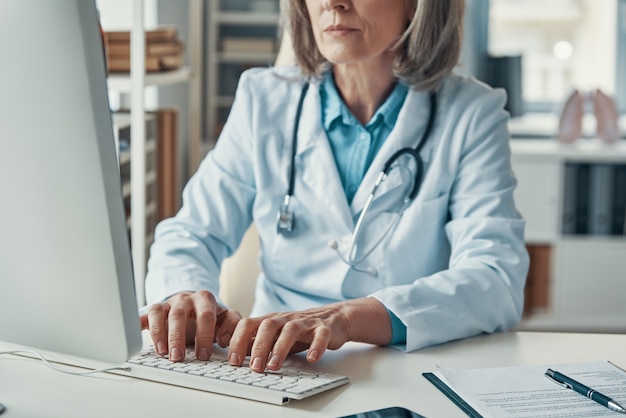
150, 178
246, 18
151, 209
593, 150
122, 83
246, 57
125, 155
536, 11
609, 241
580, 323
236, 20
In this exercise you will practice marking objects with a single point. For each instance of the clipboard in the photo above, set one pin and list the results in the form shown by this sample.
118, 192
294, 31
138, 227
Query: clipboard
452, 395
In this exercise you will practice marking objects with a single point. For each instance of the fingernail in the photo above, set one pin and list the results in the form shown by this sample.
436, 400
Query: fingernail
312, 355
273, 361
257, 363
176, 354
203, 354
161, 348
233, 359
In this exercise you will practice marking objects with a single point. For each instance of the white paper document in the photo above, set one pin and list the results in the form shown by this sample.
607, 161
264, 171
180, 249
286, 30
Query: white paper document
524, 392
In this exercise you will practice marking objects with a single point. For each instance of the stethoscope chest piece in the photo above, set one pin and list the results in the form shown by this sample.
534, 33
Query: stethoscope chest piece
285, 220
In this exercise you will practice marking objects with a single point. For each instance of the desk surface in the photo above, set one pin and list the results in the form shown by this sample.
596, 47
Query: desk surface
380, 377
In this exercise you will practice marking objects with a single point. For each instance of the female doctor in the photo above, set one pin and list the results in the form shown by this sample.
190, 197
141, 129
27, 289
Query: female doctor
430, 251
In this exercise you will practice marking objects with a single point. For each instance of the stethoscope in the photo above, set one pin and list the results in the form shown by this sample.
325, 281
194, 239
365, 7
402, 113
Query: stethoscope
286, 218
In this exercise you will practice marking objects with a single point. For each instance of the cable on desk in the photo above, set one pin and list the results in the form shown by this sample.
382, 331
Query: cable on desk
60, 369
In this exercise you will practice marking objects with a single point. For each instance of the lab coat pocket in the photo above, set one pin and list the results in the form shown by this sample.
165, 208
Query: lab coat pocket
295, 255
417, 246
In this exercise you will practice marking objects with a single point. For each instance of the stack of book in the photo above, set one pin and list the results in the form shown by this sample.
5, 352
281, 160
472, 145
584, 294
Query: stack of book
249, 45
164, 51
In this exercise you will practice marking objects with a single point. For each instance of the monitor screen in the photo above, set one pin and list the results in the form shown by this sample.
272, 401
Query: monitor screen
66, 280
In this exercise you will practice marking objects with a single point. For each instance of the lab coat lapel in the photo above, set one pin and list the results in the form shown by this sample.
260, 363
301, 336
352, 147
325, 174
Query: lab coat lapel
315, 164
409, 128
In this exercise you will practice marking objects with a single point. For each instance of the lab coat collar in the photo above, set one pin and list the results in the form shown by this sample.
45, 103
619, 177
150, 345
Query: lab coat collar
315, 164
316, 167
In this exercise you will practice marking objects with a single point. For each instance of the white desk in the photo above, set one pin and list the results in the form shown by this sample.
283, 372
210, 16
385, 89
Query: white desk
379, 377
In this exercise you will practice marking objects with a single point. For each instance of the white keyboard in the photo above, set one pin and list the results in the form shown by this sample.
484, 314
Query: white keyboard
218, 376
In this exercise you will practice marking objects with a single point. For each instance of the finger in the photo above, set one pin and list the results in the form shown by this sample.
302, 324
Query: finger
241, 339
266, 335
177, 326
206, 316
291, 334
321, 340
227, 321
157, 324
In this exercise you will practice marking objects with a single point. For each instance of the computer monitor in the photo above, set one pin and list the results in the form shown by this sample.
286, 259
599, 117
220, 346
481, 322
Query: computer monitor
66, 283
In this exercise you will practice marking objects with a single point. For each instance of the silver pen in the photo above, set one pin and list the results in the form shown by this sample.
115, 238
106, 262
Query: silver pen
569, 383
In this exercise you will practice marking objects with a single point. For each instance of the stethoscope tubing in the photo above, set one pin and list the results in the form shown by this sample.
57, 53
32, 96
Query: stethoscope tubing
294, 140
413, 152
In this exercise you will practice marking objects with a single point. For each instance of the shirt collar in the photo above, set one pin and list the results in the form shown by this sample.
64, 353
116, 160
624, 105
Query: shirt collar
333, 106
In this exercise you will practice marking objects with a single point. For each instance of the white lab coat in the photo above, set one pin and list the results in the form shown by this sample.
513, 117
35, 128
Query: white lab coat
454, 266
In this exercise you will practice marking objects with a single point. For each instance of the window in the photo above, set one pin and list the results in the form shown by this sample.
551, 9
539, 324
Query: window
563, 44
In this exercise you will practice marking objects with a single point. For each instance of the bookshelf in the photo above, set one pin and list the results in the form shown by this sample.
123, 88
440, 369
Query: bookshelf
584, 270
123, 134
241, 34
135, 84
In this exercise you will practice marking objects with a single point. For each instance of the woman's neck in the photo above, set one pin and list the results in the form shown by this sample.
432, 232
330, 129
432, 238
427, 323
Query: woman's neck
363, 89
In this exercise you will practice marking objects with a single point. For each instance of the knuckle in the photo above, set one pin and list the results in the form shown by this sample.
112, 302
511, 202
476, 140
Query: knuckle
323, 338
176, 337
179, 297
261, 346
293, 327
156, 328
178, 313
271, 322
156, 309
246, 323
234, 341
206, 316
203, 339
155, 331
204, 295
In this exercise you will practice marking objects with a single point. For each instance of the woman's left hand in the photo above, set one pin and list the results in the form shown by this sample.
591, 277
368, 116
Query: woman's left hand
271, 338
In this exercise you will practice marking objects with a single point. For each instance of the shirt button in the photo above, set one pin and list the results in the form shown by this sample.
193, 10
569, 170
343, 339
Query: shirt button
363, 136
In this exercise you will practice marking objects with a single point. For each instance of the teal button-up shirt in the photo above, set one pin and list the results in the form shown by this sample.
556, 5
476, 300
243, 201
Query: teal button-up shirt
354, 146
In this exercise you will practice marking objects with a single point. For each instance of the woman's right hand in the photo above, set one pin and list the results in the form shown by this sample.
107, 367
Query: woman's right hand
189, 318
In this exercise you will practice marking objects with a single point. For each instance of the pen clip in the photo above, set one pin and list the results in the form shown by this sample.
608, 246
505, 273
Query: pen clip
551, 378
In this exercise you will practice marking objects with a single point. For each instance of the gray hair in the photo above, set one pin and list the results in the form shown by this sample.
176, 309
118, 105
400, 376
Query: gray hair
429, 48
